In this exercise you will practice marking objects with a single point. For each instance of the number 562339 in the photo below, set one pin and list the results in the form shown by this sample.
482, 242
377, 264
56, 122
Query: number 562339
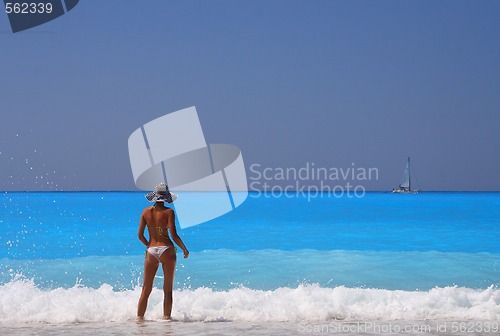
28, 8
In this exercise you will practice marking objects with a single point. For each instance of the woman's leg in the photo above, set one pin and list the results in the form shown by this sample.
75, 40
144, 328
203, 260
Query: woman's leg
168, 260
150, 268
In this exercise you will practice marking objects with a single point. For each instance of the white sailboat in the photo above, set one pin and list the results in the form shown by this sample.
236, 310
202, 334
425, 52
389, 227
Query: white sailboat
405, 185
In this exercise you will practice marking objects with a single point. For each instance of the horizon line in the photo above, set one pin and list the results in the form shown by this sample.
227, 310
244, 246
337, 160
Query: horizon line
253, 191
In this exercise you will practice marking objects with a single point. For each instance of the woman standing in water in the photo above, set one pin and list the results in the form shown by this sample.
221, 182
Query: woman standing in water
159, 219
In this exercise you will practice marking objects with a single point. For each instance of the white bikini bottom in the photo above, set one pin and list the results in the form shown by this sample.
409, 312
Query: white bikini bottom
157, 251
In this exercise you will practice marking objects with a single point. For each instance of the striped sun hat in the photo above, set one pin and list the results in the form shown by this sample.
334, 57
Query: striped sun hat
161, 194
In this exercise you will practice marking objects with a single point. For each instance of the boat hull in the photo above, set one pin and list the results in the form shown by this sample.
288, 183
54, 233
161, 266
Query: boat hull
404, 191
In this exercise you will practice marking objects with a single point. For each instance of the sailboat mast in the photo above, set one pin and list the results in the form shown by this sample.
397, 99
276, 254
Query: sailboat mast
409, 175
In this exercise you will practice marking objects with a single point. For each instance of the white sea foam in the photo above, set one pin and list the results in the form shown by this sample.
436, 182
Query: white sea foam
22, 301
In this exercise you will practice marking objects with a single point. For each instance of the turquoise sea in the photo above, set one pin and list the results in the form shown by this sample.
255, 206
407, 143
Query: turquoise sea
71, 261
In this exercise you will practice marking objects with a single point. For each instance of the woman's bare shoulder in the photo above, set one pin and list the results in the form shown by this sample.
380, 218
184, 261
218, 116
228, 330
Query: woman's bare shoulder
147, 210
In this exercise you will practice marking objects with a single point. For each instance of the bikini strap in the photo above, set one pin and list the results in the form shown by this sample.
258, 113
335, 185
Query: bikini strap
160, 230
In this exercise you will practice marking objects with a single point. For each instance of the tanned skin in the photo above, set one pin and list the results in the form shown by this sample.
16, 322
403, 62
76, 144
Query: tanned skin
153, 217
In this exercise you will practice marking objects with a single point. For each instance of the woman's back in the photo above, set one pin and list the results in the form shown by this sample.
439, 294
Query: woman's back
157, 222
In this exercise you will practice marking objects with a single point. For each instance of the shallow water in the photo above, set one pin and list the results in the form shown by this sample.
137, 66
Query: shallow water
411, 328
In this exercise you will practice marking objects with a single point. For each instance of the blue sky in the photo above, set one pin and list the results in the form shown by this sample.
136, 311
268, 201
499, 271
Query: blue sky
289, 82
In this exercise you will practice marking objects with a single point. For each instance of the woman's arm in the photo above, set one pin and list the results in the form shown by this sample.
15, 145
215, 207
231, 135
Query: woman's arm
142, 227
175, 236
